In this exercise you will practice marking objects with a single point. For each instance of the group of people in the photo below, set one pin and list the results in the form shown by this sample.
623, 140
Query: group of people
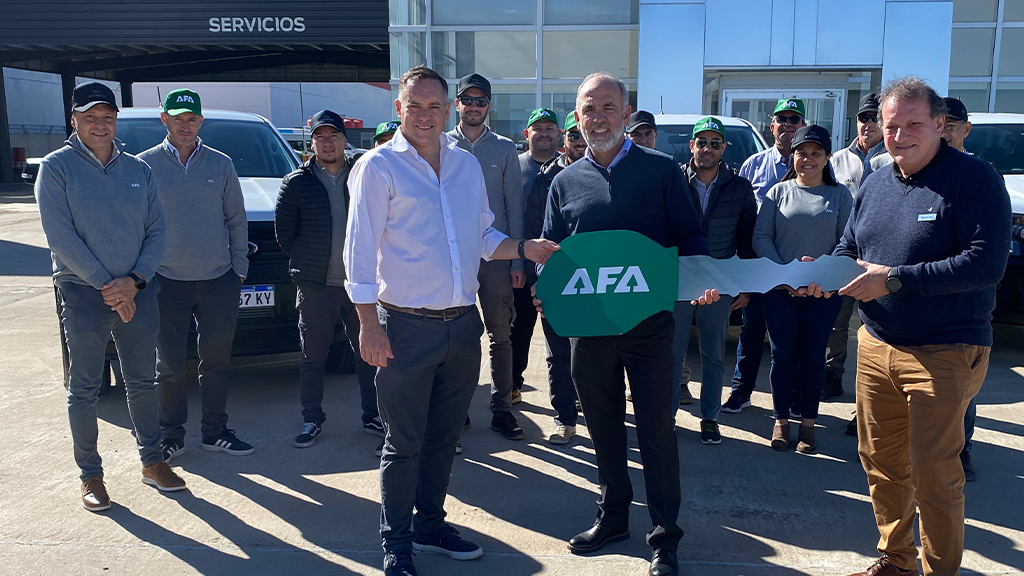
402, 246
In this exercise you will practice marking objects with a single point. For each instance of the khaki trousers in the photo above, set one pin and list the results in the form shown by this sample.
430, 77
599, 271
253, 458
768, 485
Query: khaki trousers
911, 402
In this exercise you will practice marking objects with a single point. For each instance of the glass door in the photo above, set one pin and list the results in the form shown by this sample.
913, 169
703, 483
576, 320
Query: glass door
824, 108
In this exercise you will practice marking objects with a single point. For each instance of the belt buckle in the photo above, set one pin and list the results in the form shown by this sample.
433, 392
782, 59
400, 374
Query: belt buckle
445, 314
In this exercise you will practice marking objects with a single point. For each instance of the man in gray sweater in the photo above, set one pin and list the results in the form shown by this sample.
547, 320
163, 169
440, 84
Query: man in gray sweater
201, 273
99, 209
504, 181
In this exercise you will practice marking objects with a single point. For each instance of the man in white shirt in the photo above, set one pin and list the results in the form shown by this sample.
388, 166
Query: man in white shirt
418, 226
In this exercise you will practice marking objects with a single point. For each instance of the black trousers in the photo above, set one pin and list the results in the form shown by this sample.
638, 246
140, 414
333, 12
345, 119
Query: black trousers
522, 332
645, 354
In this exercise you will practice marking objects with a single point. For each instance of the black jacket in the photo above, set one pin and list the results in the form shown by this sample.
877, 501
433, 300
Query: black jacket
732, 212
536, 202
303, 224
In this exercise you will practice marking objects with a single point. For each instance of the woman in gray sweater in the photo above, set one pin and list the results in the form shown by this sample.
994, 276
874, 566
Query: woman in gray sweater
803, 216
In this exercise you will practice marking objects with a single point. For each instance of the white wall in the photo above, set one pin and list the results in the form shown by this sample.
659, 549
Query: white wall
366, 102
251, 97
670, 71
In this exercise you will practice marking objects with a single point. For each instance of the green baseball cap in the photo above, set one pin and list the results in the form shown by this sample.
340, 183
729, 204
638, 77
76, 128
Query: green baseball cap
386, 128
542, 114
708, 123
790, 105
182, 100
570, 121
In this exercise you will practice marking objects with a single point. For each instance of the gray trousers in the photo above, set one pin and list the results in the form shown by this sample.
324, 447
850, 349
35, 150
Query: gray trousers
835, 354
88, 324
497, 302
424, 394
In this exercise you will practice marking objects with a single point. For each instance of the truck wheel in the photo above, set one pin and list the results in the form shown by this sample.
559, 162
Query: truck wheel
341, 359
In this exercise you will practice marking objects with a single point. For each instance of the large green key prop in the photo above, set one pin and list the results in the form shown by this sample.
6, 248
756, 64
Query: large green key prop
605, 283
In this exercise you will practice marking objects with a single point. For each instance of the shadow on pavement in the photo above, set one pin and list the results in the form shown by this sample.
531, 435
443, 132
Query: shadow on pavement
17, 259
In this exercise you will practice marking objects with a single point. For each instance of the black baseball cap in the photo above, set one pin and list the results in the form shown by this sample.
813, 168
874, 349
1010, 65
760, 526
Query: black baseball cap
88, 94
638, 119
474, 81
813, 133
326, 118
869, 103
955, 110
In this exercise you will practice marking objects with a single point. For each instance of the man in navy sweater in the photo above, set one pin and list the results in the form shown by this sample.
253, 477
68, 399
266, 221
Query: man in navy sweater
622, 186
932, 233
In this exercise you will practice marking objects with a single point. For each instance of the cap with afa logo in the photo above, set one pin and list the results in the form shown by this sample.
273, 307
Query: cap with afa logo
813, 133
570, 121
708, 123
790, 105
326, 118
542, 114
181, 101
88, 94
638, 119
385, 128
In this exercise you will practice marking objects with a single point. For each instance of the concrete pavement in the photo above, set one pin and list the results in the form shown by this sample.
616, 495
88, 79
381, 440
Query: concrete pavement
747, 510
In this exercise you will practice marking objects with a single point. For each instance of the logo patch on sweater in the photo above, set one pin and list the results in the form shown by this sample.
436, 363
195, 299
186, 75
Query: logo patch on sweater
136, 185
926, 217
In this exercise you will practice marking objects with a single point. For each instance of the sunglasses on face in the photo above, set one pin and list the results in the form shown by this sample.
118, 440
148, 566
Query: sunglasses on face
478, 101
867, 117
779, 118
700, 143
573, 136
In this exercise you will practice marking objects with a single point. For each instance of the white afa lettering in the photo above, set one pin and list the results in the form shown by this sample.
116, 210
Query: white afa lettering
581, 283
186, 98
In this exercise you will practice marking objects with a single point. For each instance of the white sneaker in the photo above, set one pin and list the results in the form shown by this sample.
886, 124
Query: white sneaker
562, 434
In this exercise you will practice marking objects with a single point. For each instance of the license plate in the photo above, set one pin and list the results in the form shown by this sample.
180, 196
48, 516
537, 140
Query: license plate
256, 296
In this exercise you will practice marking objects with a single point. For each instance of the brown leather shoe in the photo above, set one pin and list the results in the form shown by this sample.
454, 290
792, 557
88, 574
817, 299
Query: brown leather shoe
94, 495
806, 443
883, 567
780, 436
159, 474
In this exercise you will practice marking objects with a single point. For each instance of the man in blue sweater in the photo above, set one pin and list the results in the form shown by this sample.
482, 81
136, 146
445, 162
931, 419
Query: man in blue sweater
621, 186
200, 276
932, 233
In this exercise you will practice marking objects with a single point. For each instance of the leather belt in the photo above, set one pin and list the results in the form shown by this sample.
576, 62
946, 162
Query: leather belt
447, 314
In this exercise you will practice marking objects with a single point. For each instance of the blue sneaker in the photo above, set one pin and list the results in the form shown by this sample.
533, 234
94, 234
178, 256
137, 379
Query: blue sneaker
399, 563
448, 542
736, 403
227, 442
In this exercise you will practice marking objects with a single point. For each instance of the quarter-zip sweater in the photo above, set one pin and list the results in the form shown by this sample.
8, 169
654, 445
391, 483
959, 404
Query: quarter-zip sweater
204, 212
101, 221
947, 230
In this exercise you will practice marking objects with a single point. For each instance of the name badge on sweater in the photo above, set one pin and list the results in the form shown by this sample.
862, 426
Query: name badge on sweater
926, 217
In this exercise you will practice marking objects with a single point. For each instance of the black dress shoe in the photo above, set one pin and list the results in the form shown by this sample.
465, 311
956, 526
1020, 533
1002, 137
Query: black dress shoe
664, 563
594, 539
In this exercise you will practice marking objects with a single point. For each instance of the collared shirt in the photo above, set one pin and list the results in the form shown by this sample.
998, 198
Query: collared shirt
413, 239
622, 154
764, 170
335, 185
174, 151
704, 190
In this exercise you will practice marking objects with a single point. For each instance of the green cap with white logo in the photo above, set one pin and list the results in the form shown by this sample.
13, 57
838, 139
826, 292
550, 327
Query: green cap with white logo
386, 128
790, 105
182, 100
542, 114
570, 121
709, 123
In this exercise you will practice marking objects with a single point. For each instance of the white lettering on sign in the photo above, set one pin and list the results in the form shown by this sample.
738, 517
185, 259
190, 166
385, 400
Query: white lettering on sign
606, 277
258, 24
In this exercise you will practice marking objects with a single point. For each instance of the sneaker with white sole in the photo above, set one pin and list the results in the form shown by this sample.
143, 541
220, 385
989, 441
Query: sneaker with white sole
448, 542
736, 403
94, 495
159, 474
310, 432
516, 397
375, 427
172, 448
227, 443
562, 434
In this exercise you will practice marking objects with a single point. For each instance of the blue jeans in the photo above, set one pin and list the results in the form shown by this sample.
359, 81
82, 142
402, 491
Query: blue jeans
969, 417
88, 324
750, 348
560, 384
799, 329
712, 325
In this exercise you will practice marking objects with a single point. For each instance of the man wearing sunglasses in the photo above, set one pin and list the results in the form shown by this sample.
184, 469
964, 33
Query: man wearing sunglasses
500, 163
727, 209
763, 170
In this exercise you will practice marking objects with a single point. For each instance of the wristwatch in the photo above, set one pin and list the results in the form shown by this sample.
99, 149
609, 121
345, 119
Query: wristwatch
892, 282
522, 254
140, 282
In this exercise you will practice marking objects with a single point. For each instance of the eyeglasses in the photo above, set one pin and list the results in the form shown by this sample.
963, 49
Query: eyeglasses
867, 117
478, 101
791, 119
700, 143
573, 136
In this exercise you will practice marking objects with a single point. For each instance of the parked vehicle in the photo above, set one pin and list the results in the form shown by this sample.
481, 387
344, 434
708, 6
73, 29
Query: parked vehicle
675, 131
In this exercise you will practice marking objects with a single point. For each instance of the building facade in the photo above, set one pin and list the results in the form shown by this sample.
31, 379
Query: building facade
728, 57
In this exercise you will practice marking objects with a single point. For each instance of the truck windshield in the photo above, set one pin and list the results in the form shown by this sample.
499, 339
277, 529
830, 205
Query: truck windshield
1000, 144
674, 140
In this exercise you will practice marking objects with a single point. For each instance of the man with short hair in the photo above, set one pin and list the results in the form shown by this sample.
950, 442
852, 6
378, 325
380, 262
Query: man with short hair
621, 186
312, 211
542, 135
642, 129
101, 215
851, 166
200, 276
419, 226
763, 170
561, 389
385, 132
932, 234
728, 211
500, 163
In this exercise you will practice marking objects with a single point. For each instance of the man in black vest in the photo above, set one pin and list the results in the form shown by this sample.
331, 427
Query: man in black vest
310, 220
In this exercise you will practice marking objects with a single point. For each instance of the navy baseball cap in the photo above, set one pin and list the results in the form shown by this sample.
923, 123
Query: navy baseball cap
88, 94
955, 110
474, 81
639, 118
326, 118
813, 133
